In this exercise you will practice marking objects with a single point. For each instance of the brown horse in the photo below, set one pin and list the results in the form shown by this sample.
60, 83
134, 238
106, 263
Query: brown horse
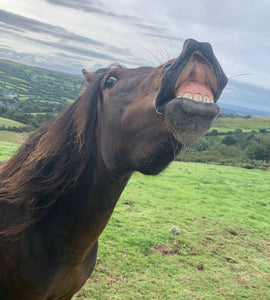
59, 191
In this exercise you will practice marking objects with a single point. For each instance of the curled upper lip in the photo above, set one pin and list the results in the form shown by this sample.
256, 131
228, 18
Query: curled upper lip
197, 80
175, 74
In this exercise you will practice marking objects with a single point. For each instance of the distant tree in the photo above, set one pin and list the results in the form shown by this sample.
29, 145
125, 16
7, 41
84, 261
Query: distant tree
238, 131
214, 132
229, 140
201, 145
259, 151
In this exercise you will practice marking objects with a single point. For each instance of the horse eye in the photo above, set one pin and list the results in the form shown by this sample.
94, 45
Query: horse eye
110, 82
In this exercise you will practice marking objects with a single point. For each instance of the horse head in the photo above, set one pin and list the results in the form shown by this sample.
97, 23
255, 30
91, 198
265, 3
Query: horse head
147, 115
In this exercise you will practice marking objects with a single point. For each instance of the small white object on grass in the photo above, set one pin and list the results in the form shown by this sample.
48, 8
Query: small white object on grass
175, 230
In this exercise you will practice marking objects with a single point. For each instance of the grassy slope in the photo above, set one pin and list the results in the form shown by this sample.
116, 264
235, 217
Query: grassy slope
7, 149
246, 124
11, 123
223, 214
9, 142
37, 84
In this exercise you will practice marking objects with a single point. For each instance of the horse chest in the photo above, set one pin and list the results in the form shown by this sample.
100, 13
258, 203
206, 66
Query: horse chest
41, 277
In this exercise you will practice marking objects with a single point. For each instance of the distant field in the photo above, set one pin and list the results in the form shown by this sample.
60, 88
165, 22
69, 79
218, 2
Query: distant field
30, 84
223, 251
9, 142
7, 149
11, 123
25, 90
12, 137
246, 124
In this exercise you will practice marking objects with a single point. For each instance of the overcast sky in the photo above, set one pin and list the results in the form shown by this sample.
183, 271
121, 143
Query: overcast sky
68, 35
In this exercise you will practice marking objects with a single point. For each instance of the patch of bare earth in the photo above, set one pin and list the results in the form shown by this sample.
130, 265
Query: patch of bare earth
176, 249
165, 251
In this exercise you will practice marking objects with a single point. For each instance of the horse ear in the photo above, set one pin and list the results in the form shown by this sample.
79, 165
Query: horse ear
88, 76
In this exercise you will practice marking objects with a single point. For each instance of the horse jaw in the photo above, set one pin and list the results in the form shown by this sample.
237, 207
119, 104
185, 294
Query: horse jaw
189, 120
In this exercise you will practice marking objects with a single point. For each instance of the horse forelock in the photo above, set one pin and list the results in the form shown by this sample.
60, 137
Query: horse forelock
51, 163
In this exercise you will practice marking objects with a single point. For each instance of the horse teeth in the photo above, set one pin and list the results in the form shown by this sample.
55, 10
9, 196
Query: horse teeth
198, 97
187, 95
206, 99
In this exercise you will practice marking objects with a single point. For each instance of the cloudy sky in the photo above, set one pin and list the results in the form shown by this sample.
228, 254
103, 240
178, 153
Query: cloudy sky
68, 35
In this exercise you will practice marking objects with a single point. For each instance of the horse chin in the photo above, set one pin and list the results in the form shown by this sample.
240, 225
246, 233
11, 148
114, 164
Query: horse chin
188, 119
153, 162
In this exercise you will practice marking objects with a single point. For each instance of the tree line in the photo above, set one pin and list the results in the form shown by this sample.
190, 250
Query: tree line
236, 148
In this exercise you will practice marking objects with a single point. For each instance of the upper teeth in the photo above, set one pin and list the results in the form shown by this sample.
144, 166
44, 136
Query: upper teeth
187, 95
196, 97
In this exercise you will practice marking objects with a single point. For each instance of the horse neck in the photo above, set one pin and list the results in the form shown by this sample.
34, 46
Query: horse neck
81, 216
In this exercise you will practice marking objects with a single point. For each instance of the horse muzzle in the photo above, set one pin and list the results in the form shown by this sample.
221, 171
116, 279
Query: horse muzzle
189, 90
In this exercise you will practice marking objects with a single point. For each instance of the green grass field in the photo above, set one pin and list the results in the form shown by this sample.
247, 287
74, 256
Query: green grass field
9, 143
7, 122
7, 149
245, 124
223, 251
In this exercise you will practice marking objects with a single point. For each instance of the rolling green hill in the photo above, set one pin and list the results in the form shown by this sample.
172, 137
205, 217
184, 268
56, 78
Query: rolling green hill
245, 124
234, 141
36, 86
10, 123
33, 95
7, 149
9, 143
